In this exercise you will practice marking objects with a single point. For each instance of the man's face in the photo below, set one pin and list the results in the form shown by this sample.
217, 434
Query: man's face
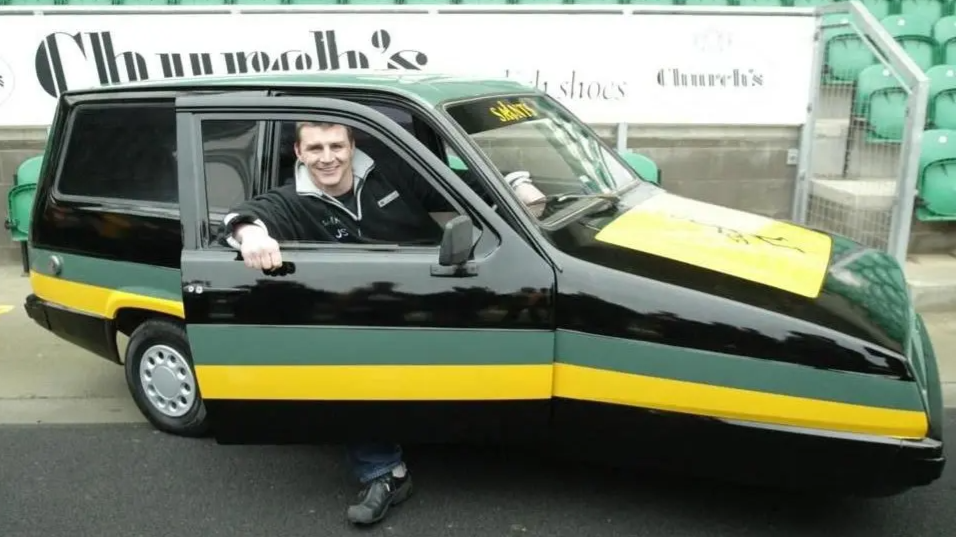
327, 152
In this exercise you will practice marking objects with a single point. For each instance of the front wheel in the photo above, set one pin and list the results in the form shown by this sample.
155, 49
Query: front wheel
162, 381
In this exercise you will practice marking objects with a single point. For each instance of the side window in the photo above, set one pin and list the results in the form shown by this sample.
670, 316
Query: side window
230, 161
122, 152
311, 200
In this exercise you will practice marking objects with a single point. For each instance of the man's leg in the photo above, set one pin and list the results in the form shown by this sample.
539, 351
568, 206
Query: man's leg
385, 481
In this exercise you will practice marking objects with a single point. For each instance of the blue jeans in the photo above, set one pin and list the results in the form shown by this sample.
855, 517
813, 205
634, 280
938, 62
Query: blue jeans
370, 461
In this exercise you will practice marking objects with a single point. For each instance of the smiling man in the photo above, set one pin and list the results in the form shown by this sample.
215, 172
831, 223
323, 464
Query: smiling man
340, 195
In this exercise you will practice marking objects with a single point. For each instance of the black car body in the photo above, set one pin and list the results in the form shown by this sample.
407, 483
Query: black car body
624, 320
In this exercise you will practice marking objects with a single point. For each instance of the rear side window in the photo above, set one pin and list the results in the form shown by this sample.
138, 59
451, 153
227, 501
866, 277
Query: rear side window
121, 152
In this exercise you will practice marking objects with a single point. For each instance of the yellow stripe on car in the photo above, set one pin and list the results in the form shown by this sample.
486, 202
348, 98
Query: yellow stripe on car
98, 300
590, 384
375, 382
499, 382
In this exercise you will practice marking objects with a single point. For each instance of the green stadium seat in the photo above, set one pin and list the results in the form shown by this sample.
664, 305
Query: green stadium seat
19, 207
944, 31
886, 121
936, 178
930, 10
706, 2
762, 3
28, 172
880, 102
455, 163
813, 3
941, 105
20, 197
915, 34
880, 8
644, 166
845, 55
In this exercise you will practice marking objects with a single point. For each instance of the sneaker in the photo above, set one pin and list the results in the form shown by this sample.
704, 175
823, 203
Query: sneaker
377, 496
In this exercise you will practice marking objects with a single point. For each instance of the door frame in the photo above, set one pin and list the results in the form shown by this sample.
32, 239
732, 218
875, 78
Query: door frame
492, 231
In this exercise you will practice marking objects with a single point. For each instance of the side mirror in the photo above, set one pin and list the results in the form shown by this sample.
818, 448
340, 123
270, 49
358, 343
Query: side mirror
453, 257
643, 166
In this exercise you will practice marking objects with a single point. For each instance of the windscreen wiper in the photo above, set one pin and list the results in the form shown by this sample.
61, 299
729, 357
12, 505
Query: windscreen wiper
569, 196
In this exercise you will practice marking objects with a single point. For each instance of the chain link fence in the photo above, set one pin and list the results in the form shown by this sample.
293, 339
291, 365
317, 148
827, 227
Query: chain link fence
861, 144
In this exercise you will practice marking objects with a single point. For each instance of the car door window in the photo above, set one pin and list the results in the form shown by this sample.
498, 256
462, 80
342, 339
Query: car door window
230, 161
393, 185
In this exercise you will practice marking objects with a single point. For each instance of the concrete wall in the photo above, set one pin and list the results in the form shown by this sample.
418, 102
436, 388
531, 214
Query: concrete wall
740, 167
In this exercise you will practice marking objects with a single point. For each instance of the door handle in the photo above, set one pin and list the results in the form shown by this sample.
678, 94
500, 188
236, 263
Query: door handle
198, 289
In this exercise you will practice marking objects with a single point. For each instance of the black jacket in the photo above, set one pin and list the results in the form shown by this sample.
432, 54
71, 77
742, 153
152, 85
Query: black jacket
381, 207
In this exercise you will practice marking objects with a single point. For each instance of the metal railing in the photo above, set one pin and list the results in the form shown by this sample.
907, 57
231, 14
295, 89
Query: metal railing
860, 146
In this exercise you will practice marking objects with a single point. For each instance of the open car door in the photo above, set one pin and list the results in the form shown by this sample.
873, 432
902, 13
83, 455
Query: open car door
357, 342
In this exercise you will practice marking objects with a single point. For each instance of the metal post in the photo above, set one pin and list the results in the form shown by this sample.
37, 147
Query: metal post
801, 187
25, 257
912, 77
902, 218
622, 137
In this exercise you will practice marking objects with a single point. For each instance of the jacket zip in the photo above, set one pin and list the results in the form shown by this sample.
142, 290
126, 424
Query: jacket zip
358, 199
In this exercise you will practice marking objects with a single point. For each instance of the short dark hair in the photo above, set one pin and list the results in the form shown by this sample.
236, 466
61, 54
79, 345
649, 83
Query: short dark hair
324, 124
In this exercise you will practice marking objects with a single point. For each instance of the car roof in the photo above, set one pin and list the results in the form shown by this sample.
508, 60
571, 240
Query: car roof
430, 89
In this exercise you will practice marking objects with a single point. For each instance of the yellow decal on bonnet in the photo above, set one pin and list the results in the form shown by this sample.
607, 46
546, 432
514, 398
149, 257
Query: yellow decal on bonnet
745, 245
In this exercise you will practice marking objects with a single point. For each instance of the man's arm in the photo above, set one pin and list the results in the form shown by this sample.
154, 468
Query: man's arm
255, 226
268, 212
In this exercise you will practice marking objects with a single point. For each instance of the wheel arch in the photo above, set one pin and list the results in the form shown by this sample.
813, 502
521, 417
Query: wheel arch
128, 319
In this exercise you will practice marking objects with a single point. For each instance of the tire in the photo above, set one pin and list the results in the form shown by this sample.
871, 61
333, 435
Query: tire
166, 341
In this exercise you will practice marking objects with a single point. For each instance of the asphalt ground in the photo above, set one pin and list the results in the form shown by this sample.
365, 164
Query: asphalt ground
126, 480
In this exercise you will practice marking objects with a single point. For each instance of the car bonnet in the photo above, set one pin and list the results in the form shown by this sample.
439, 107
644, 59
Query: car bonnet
771, 252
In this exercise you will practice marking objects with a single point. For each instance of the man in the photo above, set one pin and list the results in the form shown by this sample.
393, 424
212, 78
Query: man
339, 195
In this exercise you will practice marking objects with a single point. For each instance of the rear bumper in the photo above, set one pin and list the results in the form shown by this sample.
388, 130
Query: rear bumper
89, 332
36, 310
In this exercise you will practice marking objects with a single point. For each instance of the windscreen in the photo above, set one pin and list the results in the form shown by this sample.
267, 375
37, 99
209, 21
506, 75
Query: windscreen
531, 133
